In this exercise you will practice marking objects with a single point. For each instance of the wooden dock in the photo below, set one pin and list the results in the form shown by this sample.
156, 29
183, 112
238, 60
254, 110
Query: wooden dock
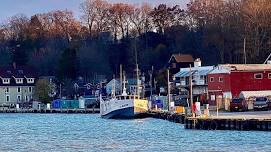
245, 123
67, 111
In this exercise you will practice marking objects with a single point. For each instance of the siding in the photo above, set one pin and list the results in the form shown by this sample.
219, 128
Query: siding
13, 93
245, 81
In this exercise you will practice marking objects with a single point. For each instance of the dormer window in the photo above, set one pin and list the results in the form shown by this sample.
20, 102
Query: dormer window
30, 80
5, 81
19, 80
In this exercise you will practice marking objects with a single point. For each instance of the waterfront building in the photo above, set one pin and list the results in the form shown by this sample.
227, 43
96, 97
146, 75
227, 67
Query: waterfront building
199, 80
131, 85
227, 81
16, 85
178, 61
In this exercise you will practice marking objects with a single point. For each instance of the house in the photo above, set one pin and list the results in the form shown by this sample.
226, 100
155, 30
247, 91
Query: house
229, 80
178, 61
17, 84
199, 78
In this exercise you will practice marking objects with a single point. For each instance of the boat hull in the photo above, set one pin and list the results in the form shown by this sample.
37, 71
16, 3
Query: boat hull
124, 109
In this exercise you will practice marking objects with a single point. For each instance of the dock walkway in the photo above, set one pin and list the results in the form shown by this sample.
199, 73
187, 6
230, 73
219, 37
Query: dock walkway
245, 121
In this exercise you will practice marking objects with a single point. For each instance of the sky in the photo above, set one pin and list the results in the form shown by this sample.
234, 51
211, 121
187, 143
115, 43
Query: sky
9, 8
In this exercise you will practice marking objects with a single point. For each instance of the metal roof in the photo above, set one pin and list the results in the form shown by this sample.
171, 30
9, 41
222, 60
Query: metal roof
248, 94
202, 71
227, 68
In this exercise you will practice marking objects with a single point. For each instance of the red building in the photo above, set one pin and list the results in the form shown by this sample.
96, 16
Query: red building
227, 81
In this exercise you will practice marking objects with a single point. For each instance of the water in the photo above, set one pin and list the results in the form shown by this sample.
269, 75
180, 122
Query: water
63, 132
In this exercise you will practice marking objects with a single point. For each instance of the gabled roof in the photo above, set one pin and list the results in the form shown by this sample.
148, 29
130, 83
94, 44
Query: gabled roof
182, 58
22, 72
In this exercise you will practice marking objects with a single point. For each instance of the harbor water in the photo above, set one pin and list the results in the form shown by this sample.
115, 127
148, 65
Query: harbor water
84, 132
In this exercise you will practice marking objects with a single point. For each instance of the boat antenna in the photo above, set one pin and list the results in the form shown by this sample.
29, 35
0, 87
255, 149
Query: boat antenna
137, 71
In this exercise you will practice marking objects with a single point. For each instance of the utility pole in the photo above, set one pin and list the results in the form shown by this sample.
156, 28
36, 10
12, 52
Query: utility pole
151, 80
168, 89
191, 90
245, 55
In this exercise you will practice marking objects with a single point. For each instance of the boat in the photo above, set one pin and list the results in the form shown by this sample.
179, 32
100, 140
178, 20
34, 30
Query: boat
123, 106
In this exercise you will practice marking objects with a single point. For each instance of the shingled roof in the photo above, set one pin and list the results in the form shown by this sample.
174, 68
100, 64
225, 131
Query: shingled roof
182, 58
16, 72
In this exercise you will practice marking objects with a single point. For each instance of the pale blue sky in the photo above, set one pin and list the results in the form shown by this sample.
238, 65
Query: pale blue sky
9, 8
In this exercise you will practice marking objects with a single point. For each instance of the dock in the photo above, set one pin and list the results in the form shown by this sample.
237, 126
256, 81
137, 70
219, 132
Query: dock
257, 121
66, 111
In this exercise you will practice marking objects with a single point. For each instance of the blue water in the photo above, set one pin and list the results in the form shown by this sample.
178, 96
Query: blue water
63, 132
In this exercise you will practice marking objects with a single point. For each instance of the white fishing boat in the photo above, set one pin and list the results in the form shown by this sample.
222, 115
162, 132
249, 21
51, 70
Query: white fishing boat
123, 106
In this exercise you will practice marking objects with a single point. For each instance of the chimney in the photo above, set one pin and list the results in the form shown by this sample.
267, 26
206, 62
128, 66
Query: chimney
197, 62
14, 65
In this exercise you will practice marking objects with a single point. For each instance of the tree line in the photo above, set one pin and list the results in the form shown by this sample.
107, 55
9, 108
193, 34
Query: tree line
110, 34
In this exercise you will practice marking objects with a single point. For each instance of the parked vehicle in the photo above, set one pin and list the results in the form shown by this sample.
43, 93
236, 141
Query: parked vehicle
261, 103
238, 104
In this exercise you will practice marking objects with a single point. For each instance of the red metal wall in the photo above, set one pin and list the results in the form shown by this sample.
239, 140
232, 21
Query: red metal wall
245, 81
225, 85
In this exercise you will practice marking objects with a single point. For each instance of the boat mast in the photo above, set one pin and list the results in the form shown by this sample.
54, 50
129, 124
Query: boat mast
124, 93
137, 81
113, 87
121, 77
137, 72
168, 90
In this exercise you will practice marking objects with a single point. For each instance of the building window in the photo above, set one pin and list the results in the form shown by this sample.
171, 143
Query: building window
30, 89
5, 81
30, 80
173, 65
19, 98
19, 89
7, 90
269, 75
19, 80
26, 98
211, 79
220, 79
258, 76
7, 98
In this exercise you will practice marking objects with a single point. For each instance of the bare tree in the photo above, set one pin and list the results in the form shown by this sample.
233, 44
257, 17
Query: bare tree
140, 18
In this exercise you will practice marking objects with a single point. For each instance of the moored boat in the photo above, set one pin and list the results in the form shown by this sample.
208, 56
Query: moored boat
123, 106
